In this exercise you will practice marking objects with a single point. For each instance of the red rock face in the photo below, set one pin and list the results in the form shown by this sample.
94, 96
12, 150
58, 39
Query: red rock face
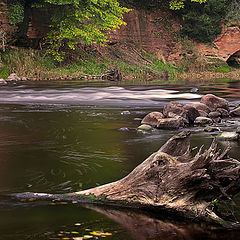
152, 31
225, 45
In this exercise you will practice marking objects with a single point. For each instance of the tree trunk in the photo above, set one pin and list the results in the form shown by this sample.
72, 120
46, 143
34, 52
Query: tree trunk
170, 180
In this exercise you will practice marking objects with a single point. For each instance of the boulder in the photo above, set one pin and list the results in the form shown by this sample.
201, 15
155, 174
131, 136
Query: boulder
235, 112
202, 113
152, 118
171, 123
223, 112
191, 113
203, 121
214, 114
214, 102
201, 107
228, 136
173, 109
13, 77
217, 119
145, 127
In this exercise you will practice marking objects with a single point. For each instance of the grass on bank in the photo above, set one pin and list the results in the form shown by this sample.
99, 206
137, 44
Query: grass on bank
35, 65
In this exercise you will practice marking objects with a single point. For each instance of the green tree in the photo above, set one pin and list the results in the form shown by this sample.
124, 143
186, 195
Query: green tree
202, 22
88, 21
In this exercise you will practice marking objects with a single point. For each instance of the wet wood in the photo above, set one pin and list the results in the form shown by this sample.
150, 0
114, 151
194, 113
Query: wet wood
172, 180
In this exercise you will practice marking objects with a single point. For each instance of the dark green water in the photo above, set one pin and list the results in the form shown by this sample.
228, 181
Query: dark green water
62, 138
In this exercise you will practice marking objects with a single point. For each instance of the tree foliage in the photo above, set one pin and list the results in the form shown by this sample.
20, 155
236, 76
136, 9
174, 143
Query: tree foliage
233, 12
87, 21
16, 13
202, 22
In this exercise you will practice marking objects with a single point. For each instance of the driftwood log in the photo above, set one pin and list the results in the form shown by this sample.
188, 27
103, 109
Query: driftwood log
171, 180
112, 75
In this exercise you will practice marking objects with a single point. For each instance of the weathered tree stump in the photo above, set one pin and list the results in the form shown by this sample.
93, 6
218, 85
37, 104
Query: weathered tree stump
171, 179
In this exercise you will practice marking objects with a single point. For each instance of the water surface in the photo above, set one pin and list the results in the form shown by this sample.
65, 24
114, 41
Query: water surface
61, 138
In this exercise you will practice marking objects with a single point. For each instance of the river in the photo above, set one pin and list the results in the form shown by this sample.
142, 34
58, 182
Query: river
62, 137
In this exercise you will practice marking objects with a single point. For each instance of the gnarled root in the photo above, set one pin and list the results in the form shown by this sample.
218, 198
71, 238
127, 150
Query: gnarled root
171, 179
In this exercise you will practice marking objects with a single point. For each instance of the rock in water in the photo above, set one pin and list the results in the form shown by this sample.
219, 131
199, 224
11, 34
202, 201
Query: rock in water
194, 90
211, 129
145, 127
201, 107
214, 102
191, 113
228, 136
223, 112
123, 129
238, 130
203, 121
152, 118
214, 114
172, 123
174, 109
125, 112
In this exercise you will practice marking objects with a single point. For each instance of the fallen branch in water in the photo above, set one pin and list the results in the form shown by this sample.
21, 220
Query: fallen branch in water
170, 180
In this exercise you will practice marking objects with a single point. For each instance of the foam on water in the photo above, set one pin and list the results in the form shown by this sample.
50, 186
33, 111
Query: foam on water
87, 95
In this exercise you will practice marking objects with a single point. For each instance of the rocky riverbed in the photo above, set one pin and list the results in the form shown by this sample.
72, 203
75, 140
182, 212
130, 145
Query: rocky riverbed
210, 113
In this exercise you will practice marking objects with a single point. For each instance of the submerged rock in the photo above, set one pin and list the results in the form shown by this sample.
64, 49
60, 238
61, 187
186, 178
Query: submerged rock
214, 102
137, 119
125, 112
228, 136
211, 129
145, 127
203, 121
123, 129
152, 118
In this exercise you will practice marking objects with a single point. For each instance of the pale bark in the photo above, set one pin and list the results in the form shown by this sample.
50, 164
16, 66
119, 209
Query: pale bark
170, 180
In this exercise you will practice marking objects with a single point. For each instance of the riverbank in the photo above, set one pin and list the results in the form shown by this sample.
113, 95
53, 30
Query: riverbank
133, 63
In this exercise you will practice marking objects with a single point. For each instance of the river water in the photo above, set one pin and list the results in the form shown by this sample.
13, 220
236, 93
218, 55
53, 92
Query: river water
63, 137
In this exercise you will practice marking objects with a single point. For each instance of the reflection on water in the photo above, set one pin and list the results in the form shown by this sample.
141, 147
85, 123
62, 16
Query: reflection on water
67, 139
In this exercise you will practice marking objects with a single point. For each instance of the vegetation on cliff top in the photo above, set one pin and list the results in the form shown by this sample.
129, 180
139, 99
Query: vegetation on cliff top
76, 20
88, 23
